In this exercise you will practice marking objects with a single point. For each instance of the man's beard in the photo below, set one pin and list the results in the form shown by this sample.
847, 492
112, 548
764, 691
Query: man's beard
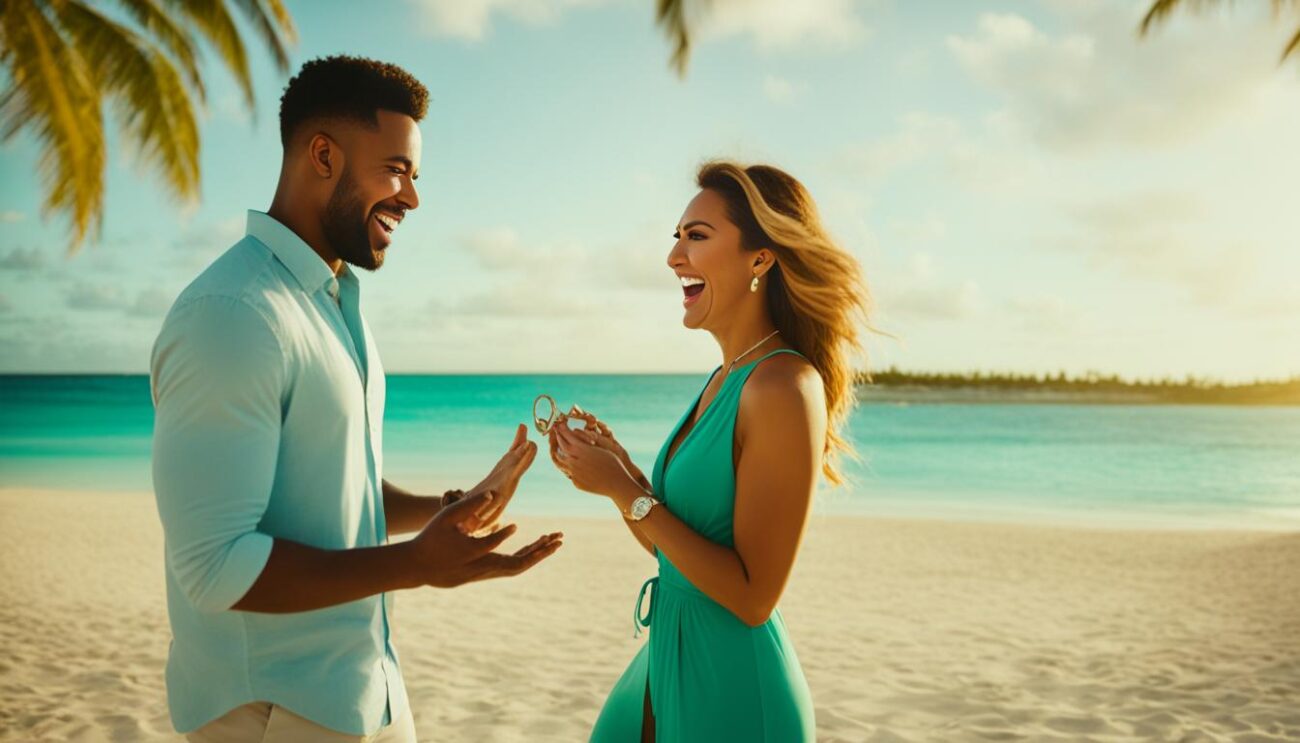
347, 228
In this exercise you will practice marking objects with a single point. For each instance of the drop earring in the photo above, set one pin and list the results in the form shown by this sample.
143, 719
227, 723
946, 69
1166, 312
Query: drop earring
753, 285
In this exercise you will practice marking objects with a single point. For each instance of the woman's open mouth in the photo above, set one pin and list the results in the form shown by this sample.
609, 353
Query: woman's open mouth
692, 287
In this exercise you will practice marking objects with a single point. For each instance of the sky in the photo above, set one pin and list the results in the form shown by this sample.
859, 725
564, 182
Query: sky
1029, 186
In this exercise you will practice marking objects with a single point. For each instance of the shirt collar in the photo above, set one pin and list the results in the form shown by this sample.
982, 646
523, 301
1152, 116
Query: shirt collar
311, 271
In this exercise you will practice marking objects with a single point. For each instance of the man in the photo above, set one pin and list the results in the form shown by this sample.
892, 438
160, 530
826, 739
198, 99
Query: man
267, 456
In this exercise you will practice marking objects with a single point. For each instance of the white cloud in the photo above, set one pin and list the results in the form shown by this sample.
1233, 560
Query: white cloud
47, 343
471, 20
928, 228
919, 135
1161, 237
1101, 84
639, 262
778, 89
199, 245
772, 24
20, 259
525, 279
781, 24
989, 159
151, 303
1120, 217
949, 302
1045, 314
532, 279
918, 291
495, 247
532, 304
914, 62
85, 295
1284, 305
519, 299
636, 262
500, 249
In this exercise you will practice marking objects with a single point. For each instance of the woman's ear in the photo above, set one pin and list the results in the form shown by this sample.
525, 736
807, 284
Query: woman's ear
764, 260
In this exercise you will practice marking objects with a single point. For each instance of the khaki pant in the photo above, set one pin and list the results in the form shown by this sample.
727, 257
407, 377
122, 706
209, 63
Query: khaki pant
263, 722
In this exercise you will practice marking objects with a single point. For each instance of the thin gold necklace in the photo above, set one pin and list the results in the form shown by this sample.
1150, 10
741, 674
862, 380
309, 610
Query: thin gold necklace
748, 350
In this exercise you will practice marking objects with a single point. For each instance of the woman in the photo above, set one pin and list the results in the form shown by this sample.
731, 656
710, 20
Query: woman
725, 508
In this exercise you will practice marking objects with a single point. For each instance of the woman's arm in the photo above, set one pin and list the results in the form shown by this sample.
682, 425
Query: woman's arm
632, 525
782, 427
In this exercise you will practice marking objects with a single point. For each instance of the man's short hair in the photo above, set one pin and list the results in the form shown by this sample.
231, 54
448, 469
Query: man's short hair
353, 88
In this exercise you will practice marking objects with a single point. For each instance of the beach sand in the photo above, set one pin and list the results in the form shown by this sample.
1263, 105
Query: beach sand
907, 630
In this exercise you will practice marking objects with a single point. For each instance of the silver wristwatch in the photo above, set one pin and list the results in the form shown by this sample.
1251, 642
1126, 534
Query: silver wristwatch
640, 507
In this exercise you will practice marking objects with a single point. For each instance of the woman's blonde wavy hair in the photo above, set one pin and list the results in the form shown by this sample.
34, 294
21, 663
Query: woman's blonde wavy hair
815, 293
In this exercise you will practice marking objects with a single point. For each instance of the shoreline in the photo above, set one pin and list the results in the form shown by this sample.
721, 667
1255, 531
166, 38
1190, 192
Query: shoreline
1032, 516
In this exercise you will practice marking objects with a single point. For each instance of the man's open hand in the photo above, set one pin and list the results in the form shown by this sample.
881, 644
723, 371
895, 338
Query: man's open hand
445, 555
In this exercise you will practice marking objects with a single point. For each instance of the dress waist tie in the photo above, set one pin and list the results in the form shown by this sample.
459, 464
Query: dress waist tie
642, 619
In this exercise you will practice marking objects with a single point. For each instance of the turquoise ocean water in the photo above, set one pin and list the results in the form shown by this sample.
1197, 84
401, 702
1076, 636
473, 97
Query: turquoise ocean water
1158, 466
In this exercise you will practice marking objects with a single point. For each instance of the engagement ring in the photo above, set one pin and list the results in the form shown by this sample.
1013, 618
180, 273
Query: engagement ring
545, 404
546, 413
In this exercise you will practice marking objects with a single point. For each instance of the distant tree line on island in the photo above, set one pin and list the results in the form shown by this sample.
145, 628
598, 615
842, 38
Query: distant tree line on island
1089, 385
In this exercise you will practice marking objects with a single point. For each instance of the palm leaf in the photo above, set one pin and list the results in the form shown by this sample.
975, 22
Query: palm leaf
59, 75
177, 41
211, 18
1160, 11
1292, 46
275, 28
282, 18
150, 100
1294, 43
671, 15
52, 93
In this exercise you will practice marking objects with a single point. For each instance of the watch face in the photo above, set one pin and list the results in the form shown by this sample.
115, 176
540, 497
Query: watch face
641, 506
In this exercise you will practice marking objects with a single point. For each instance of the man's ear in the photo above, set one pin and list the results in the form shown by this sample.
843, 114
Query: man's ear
324, 155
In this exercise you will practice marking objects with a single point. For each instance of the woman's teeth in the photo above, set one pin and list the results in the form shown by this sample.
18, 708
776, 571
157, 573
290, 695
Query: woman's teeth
692, 286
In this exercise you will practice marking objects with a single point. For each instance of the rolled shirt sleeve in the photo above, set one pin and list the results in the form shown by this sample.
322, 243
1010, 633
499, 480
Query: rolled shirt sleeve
217, 377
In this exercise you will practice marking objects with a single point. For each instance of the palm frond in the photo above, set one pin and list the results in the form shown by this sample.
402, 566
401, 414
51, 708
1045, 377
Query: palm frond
150, 99
275, 27
671, 15
1157, 13
285, 21
59, 74
53, 94
212, 20
177, 41
1291, 46
1294, 43
1160, 10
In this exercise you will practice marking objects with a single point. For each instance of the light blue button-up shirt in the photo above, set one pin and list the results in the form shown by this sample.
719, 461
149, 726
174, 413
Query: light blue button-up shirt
269, 406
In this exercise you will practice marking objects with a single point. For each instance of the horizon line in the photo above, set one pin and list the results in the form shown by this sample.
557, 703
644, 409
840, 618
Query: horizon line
1083, 376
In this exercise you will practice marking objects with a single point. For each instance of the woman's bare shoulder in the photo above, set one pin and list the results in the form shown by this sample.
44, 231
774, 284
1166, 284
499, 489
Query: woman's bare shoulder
784, 385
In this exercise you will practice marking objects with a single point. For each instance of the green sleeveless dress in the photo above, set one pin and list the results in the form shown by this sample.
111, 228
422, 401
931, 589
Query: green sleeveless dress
711, 677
